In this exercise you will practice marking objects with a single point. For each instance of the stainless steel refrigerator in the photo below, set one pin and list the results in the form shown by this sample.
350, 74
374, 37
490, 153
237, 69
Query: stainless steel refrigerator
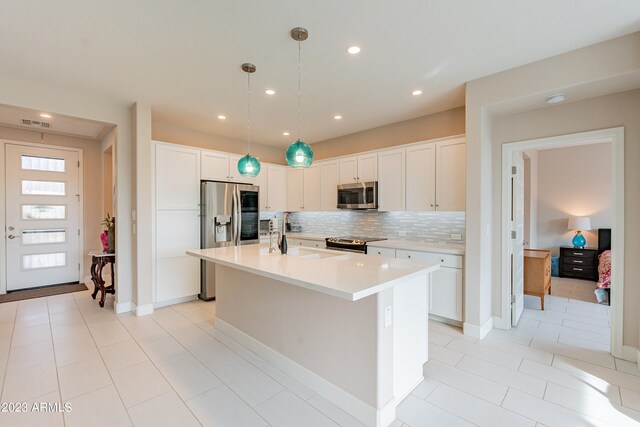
230, 216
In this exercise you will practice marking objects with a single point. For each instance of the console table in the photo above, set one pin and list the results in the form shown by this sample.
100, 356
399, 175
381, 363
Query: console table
98, 261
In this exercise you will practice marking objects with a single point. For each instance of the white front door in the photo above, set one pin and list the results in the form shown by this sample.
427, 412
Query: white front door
42, 235
517, 238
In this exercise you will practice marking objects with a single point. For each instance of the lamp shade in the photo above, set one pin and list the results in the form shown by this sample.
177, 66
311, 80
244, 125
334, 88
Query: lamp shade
579, 223
299, 155
249, 166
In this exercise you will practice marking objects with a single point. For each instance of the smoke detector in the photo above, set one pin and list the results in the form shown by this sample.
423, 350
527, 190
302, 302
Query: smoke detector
35, 123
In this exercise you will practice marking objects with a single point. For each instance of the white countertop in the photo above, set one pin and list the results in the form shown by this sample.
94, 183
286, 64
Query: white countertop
414, 245
343, 275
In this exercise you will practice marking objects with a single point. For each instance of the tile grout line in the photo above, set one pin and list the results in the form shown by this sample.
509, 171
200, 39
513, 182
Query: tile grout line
105, 364
55, 360
6, 366
137, 341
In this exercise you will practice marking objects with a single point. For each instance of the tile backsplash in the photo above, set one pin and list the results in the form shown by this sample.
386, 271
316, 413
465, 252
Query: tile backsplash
423, 226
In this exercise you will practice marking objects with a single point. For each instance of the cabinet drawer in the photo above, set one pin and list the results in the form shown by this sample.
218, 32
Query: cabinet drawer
445, 260
382, 252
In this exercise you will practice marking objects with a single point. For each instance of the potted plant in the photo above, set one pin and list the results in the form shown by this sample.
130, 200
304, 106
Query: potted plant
108, 237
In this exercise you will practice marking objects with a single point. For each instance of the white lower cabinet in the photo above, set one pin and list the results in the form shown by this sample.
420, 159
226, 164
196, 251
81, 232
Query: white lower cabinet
445, 286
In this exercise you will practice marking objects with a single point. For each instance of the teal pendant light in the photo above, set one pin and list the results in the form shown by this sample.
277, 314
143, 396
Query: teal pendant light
249, 165
299, 154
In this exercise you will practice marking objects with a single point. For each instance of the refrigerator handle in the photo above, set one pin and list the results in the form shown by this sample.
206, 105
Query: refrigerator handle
234, 218
239, 214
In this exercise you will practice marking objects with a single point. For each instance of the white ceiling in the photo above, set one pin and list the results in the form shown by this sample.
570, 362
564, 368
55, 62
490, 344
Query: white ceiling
184, 57
64, 125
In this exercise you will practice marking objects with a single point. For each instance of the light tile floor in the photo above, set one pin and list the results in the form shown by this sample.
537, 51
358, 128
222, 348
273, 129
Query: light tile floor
174, 368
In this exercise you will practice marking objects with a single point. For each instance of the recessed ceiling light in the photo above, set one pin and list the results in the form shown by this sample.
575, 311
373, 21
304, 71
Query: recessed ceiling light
556, 98
221, 117
353, 50
270, 92
45, 115
416, 92
286, 133
337, 117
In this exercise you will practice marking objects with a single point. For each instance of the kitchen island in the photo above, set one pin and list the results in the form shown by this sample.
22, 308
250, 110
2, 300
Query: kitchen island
351, 327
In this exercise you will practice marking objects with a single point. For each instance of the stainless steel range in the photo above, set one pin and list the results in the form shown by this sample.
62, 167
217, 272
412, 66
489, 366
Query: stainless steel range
351, 243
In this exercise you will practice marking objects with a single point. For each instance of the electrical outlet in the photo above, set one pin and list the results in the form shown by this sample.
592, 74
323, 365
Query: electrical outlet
456, 236
402, 233
387, 316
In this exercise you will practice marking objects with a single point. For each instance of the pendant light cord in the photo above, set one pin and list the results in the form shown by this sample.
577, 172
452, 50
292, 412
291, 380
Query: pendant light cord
248, 112
299, 90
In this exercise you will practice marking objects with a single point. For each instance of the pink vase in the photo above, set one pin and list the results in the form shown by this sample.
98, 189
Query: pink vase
104, 238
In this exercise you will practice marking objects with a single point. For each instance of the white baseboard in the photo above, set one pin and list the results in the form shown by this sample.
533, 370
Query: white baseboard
144, 310
630, 354
175, 301
501, 323
123, 307
478, 332
440, 319
347, 402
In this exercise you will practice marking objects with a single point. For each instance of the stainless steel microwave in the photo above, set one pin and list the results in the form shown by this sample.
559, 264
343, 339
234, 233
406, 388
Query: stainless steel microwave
363, 195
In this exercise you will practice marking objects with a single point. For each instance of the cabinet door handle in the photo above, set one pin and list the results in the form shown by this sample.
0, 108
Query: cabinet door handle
577, 269
577, 261
578, 253
408, 256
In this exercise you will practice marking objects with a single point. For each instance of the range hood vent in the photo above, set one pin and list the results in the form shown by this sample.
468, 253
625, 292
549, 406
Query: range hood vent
35, 123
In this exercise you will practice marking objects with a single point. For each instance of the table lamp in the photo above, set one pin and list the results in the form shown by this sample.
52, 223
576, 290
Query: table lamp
579, 224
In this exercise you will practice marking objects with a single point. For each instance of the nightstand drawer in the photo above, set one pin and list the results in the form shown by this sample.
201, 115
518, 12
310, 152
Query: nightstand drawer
575, 270
588, 262
579, 253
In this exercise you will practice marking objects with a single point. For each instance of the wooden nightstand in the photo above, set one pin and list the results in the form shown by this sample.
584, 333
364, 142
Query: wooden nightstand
537, 273
579, 263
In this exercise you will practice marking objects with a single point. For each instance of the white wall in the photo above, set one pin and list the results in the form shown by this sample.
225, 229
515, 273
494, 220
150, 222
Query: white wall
595, 70
573, 181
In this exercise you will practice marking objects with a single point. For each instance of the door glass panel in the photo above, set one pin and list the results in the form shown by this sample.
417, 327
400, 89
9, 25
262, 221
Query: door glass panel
43, 188
42, 164
30, 262
38, 237
44, 211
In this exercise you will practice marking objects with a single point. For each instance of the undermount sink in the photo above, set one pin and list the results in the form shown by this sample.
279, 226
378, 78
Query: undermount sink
311, 254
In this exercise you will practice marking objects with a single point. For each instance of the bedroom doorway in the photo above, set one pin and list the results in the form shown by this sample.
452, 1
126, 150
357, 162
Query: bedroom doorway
560, 183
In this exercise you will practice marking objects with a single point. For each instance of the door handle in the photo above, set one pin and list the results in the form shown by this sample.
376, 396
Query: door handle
11, 236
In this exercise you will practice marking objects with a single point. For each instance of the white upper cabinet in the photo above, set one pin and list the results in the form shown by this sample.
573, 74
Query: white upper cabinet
218, 166
234, 173
177, 191
329, 185
303, 189
450, 177
276, 197
295, 189
311, 188
421, 177
362, 168
391, 173
368, 167
215, 166
348, 170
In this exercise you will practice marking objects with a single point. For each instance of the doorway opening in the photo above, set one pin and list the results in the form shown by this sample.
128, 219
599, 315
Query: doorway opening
552, 188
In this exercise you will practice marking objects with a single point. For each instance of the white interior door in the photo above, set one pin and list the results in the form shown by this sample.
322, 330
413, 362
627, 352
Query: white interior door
42, 235
517, 238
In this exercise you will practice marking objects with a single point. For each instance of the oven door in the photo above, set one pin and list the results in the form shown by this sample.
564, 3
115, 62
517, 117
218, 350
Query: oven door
363, 195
